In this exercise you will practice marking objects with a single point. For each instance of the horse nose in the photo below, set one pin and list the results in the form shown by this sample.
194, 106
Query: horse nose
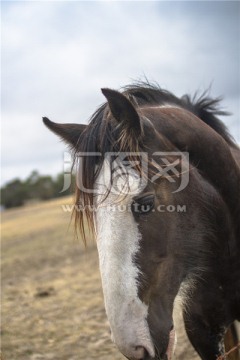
139, 353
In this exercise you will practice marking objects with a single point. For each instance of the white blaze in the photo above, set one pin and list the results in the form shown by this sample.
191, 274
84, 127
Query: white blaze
118, 243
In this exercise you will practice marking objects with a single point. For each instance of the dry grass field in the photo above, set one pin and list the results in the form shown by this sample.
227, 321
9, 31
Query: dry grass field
52, 305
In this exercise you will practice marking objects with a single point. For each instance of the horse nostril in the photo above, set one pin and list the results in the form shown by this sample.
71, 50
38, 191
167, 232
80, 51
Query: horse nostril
139, 353
144, 353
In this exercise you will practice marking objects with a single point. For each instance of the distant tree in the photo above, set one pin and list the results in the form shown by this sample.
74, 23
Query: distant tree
30, 184
17, 192
44, 188
33, 177
13, 194
40, 187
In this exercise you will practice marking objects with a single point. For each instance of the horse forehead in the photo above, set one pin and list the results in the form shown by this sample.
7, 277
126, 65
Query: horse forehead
117, 185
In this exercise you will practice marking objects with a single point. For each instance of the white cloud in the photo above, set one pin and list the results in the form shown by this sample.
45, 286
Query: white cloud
57, 55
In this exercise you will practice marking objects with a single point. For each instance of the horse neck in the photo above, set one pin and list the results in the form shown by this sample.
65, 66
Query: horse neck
208, 151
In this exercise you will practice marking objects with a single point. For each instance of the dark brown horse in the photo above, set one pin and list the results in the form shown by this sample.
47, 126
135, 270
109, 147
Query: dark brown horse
159, 182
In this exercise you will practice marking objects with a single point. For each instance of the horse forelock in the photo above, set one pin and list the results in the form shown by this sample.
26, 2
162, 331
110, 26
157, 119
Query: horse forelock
103, 135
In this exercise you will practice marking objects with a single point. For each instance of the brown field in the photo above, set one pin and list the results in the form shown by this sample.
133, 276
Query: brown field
52, 305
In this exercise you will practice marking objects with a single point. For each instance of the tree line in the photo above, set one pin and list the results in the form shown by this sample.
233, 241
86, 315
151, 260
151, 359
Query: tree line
17, 192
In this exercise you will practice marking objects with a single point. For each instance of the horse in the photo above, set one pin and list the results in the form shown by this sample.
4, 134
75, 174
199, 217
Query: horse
158, 184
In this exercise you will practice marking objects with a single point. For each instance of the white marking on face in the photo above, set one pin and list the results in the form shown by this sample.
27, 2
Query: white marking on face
118, 239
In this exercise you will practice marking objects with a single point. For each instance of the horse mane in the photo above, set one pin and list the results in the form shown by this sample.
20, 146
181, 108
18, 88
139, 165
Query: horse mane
107, 136
208, 110
204, 107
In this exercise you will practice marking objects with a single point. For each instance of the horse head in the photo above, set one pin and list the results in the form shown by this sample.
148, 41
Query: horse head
133, 174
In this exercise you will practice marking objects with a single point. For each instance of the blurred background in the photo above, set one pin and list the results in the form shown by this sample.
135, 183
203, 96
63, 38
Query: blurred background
56, 55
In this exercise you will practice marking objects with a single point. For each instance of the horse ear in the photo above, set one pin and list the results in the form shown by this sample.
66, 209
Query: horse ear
70, 133
122, 109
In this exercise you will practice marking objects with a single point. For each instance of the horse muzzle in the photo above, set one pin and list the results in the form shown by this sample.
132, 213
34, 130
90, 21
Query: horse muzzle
141, 353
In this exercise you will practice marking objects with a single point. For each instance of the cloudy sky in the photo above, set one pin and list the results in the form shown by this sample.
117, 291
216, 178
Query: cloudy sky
57, 55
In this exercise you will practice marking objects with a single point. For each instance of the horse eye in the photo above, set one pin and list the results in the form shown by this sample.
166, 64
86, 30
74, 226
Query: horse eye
143, 205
